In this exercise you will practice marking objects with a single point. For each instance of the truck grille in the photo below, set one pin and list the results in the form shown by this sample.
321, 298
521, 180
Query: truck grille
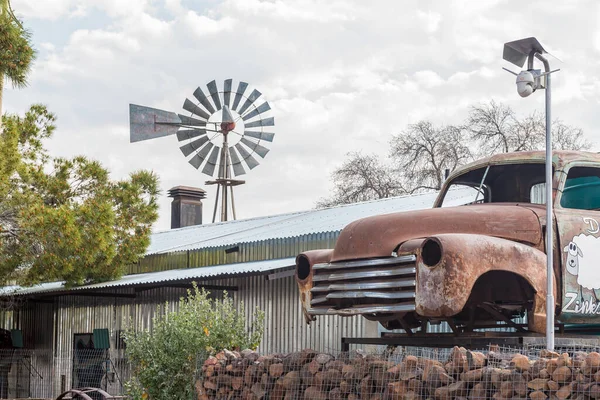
373, 286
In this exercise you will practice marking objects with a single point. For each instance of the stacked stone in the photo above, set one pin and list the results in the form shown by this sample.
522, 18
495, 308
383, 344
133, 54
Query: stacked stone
465, 375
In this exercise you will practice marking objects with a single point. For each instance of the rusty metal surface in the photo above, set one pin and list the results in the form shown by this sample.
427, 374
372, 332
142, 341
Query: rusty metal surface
443, 290
578, 250
472, 263
380, 235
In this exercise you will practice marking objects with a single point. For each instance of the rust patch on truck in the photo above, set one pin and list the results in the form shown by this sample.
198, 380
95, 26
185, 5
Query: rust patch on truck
444, 288
378, 236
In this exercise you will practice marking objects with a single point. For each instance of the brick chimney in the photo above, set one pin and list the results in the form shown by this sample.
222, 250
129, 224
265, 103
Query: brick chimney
186, 207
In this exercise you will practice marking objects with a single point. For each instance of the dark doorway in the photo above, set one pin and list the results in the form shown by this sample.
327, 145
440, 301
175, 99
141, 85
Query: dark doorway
87, 362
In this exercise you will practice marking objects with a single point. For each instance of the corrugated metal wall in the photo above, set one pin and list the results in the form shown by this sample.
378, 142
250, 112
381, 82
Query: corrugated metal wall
254, 251
285, 328
50, 328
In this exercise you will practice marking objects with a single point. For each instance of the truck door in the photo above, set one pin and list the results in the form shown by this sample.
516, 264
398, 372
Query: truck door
578, 220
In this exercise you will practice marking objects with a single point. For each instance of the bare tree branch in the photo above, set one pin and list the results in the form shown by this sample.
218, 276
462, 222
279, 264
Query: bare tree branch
361, 178
565, 137
492, 124
423, 152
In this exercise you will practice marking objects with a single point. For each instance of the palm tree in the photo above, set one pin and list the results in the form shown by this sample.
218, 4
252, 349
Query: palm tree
16, 53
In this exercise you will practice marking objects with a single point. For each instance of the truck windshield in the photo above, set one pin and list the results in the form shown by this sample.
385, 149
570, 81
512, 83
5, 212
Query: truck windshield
505, 183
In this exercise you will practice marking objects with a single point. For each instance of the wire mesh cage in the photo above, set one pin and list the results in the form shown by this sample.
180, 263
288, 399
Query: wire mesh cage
406, 373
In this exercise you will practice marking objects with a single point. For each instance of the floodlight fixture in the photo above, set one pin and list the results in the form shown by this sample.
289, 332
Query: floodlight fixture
517, 52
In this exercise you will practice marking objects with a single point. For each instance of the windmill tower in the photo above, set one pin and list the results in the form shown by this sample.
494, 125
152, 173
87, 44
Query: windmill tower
225, 129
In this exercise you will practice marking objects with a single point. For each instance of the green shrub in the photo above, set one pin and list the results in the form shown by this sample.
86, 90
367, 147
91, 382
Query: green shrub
165, 360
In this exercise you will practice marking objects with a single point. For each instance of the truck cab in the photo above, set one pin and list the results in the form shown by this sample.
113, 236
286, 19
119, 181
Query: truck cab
477, 258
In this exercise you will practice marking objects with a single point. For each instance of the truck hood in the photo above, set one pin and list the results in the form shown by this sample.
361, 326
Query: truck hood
380, 235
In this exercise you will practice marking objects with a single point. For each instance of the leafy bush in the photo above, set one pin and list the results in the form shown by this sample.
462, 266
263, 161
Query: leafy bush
165, 359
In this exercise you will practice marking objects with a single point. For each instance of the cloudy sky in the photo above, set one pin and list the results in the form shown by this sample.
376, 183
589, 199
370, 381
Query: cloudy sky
341, 76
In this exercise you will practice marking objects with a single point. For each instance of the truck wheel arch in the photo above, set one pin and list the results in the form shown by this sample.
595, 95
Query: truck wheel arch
443, 288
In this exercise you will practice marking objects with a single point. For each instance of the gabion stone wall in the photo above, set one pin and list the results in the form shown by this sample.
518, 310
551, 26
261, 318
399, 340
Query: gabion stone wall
457, 374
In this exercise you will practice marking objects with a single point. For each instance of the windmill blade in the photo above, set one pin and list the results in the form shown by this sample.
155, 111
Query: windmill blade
184, 134
214, 93
199, 94
211, 163
261, 122
238, 94
198, 159
227, 92
238, 168
251, 161
267, 136
149, 123
193, 146
189, 121
194, 109
251, 99
257, 148
264, 107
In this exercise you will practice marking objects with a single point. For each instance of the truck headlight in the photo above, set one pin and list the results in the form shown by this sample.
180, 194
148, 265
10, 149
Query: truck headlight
431, 252
302, 268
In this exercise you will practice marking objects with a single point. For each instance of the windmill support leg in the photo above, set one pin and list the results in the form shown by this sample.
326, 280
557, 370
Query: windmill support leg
232, 203
223, 202
216, 203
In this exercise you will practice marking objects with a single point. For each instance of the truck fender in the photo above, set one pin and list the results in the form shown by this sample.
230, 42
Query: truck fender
448, 265
303, 276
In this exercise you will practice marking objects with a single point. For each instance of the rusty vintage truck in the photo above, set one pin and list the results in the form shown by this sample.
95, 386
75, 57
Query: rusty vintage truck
474, 265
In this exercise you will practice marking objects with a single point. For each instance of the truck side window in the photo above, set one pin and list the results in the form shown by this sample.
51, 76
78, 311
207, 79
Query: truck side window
582, 189
538, 193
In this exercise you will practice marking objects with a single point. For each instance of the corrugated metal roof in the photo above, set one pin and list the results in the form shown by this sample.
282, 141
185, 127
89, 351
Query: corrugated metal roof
255, 267
295, 224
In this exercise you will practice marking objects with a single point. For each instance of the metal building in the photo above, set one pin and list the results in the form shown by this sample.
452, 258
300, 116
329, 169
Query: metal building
252, 259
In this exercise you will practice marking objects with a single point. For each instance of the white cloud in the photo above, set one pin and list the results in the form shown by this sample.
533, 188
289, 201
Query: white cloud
202, 25
299, 10
47, 46
56, 9
431, 20
428, 79
341, 76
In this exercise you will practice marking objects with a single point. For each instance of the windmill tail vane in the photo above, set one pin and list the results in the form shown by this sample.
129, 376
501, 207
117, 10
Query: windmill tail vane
223, 128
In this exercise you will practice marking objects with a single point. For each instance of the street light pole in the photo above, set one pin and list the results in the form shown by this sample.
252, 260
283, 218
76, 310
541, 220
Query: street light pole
550, 305
528, 81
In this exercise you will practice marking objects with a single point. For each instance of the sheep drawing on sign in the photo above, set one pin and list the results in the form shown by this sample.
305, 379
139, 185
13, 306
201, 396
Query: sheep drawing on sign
573, 254
583, 255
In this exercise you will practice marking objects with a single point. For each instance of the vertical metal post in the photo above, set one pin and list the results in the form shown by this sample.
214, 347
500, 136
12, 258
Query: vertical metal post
550, 306
225, 173
549, 224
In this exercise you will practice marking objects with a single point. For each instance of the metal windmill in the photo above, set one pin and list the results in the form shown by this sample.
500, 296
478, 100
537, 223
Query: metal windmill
224, 129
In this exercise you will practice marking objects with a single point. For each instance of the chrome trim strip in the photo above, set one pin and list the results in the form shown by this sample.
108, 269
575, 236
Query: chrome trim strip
365, 274
377, 295
395, 308
366, 263
398, 283
363, 295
